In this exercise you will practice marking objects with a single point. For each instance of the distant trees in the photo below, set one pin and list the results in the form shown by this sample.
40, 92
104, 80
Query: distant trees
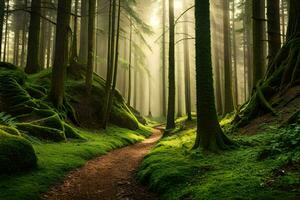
171, 97
32, 64
209, 133
2, 8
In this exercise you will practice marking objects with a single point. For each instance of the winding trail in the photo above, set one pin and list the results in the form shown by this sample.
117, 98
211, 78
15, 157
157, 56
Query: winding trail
109, 177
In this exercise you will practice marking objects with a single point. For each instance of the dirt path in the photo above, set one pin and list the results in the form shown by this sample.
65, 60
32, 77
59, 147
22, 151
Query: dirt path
109, 177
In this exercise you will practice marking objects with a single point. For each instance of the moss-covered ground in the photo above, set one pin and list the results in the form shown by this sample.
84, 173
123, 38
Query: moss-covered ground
262, 166
55, 160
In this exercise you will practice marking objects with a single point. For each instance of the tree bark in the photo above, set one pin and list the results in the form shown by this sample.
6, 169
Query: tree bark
32, 64
259, 38
91, 46
274, 36
228, 106
74, 50
187, 75
129, 65
209, 133
2, 8
83, 51
61, 53
171, 98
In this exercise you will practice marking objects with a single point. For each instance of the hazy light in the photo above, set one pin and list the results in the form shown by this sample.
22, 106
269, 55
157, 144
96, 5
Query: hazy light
178, 4
154, 21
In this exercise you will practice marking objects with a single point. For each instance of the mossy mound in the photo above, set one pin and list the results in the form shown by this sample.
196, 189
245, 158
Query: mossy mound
16, 154
83, 109
27, 103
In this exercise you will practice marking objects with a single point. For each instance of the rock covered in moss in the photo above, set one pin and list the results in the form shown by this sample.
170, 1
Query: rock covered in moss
16, 154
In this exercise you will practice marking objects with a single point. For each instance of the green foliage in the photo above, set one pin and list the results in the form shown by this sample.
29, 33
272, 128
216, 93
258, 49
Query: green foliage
178, 172
16, 154
285, 144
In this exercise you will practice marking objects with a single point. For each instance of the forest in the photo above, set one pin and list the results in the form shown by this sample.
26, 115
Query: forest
149, 99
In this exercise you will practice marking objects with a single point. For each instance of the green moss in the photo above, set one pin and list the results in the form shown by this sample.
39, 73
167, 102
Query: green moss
178, 172
16, 154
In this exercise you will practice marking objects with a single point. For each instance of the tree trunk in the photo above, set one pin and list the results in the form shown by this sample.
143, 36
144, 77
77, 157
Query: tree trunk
2, 8
32, 64
111, 97
61, 53
91, 46
274, 36
6, 32
129, 65
235, 65
228, 106
283, 20
259, 38
164, 92
209, 133
187, 75
83, 51
74, 53
110, 66
171, 98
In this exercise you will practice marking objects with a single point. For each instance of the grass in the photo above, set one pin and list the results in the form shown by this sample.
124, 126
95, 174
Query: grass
177, 172
57, 159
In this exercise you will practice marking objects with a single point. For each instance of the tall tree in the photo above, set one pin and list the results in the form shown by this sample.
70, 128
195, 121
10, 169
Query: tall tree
259, 38
274, 35
209, 133
228, 106
164, 100
74, 50
234, 56
187, 75
83, 51
171, 97
61, 53
32, 64
129, 64
91, 46
2, 8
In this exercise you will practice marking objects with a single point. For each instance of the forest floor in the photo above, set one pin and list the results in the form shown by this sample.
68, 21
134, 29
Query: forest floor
111, 176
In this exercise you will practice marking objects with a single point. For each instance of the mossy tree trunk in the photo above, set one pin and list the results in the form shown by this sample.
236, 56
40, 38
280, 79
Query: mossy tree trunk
282, 74
171, 97
210, 136
32, 64
61, 53
91, 46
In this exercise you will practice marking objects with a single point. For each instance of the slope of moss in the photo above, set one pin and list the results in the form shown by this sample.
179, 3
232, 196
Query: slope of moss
25, 98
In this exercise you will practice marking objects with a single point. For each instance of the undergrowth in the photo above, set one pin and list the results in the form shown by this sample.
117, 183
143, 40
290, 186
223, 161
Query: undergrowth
177, 172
